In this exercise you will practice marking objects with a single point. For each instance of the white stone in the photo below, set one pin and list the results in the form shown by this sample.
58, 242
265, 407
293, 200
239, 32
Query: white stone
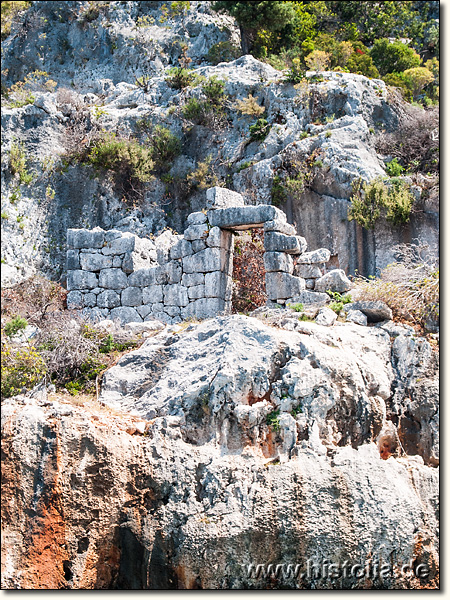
218, 197
281, 285
217, 284
113, 279
152, 294
244, 216
75, 300
131, 296
326, 317
121, 245
308, 271
81, 280
196, 232
143, 277
175, 295
356, 316
94, 262
335, 280
278, 261
108, 299
82, 238
196, 218
321, 255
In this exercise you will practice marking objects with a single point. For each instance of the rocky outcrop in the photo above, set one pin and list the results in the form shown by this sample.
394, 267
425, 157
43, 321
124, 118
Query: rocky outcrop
228, 444
327, 123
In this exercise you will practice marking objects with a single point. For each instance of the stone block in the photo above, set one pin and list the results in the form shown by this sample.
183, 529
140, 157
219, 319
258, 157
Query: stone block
73, 260
196, 218
205, 261
356, 316
144, 310
117, 262
112, 279
335, 280
143, 277
81, 280
181, 249
75, 300
216, 284
152, 294
244, 217
280, 226
308, 271
121, 245
191, 279
175, 295
84, 238
321, 255
309, 298
94, 262
95, 314
125, 314
195, 292
279, 242
173, 311
168, 273
112, 234
108, 299
196, 232
205, 308
198, 245
278, 261
281, 285
218, 198
131, 296
310, 283
90, 300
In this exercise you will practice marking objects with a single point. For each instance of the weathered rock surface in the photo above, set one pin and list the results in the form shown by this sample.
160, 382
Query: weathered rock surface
181, 483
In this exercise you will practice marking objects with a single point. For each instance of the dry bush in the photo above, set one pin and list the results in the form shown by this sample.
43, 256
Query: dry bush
415, 142
409, 286
34, 299
249, 288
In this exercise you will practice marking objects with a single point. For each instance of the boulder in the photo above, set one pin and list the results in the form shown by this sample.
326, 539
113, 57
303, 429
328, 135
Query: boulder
326, 317
308, 271
309, 298
375, 311
335, 280
321, 255
356, 316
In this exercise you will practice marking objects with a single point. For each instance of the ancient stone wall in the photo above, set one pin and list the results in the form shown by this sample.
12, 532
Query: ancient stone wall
117, 275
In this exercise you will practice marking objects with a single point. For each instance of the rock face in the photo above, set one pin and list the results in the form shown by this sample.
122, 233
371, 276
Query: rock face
227, 445
96, 55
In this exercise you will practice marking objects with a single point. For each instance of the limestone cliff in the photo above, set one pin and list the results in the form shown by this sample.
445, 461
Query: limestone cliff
96, 56
228, 444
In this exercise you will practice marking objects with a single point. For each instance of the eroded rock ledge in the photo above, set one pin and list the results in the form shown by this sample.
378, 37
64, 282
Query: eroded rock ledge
230, 442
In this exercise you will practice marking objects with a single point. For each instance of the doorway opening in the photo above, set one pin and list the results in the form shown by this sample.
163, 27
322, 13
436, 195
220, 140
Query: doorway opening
249, 281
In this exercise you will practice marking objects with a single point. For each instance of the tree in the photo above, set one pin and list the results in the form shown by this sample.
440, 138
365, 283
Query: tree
393, 58
417, 78
318, 60
255, 16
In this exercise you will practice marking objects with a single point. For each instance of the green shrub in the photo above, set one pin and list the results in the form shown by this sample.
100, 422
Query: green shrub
21, 368
259, 130
223, 52
214, 90
394, 168
165, 146
393, 57
18, 163
125, 157
195, 110
298, 307
15, 325
273, 420
278, 191
369, 199
179, 78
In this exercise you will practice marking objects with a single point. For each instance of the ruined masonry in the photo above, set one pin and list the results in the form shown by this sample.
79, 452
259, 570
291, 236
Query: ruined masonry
116, 275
